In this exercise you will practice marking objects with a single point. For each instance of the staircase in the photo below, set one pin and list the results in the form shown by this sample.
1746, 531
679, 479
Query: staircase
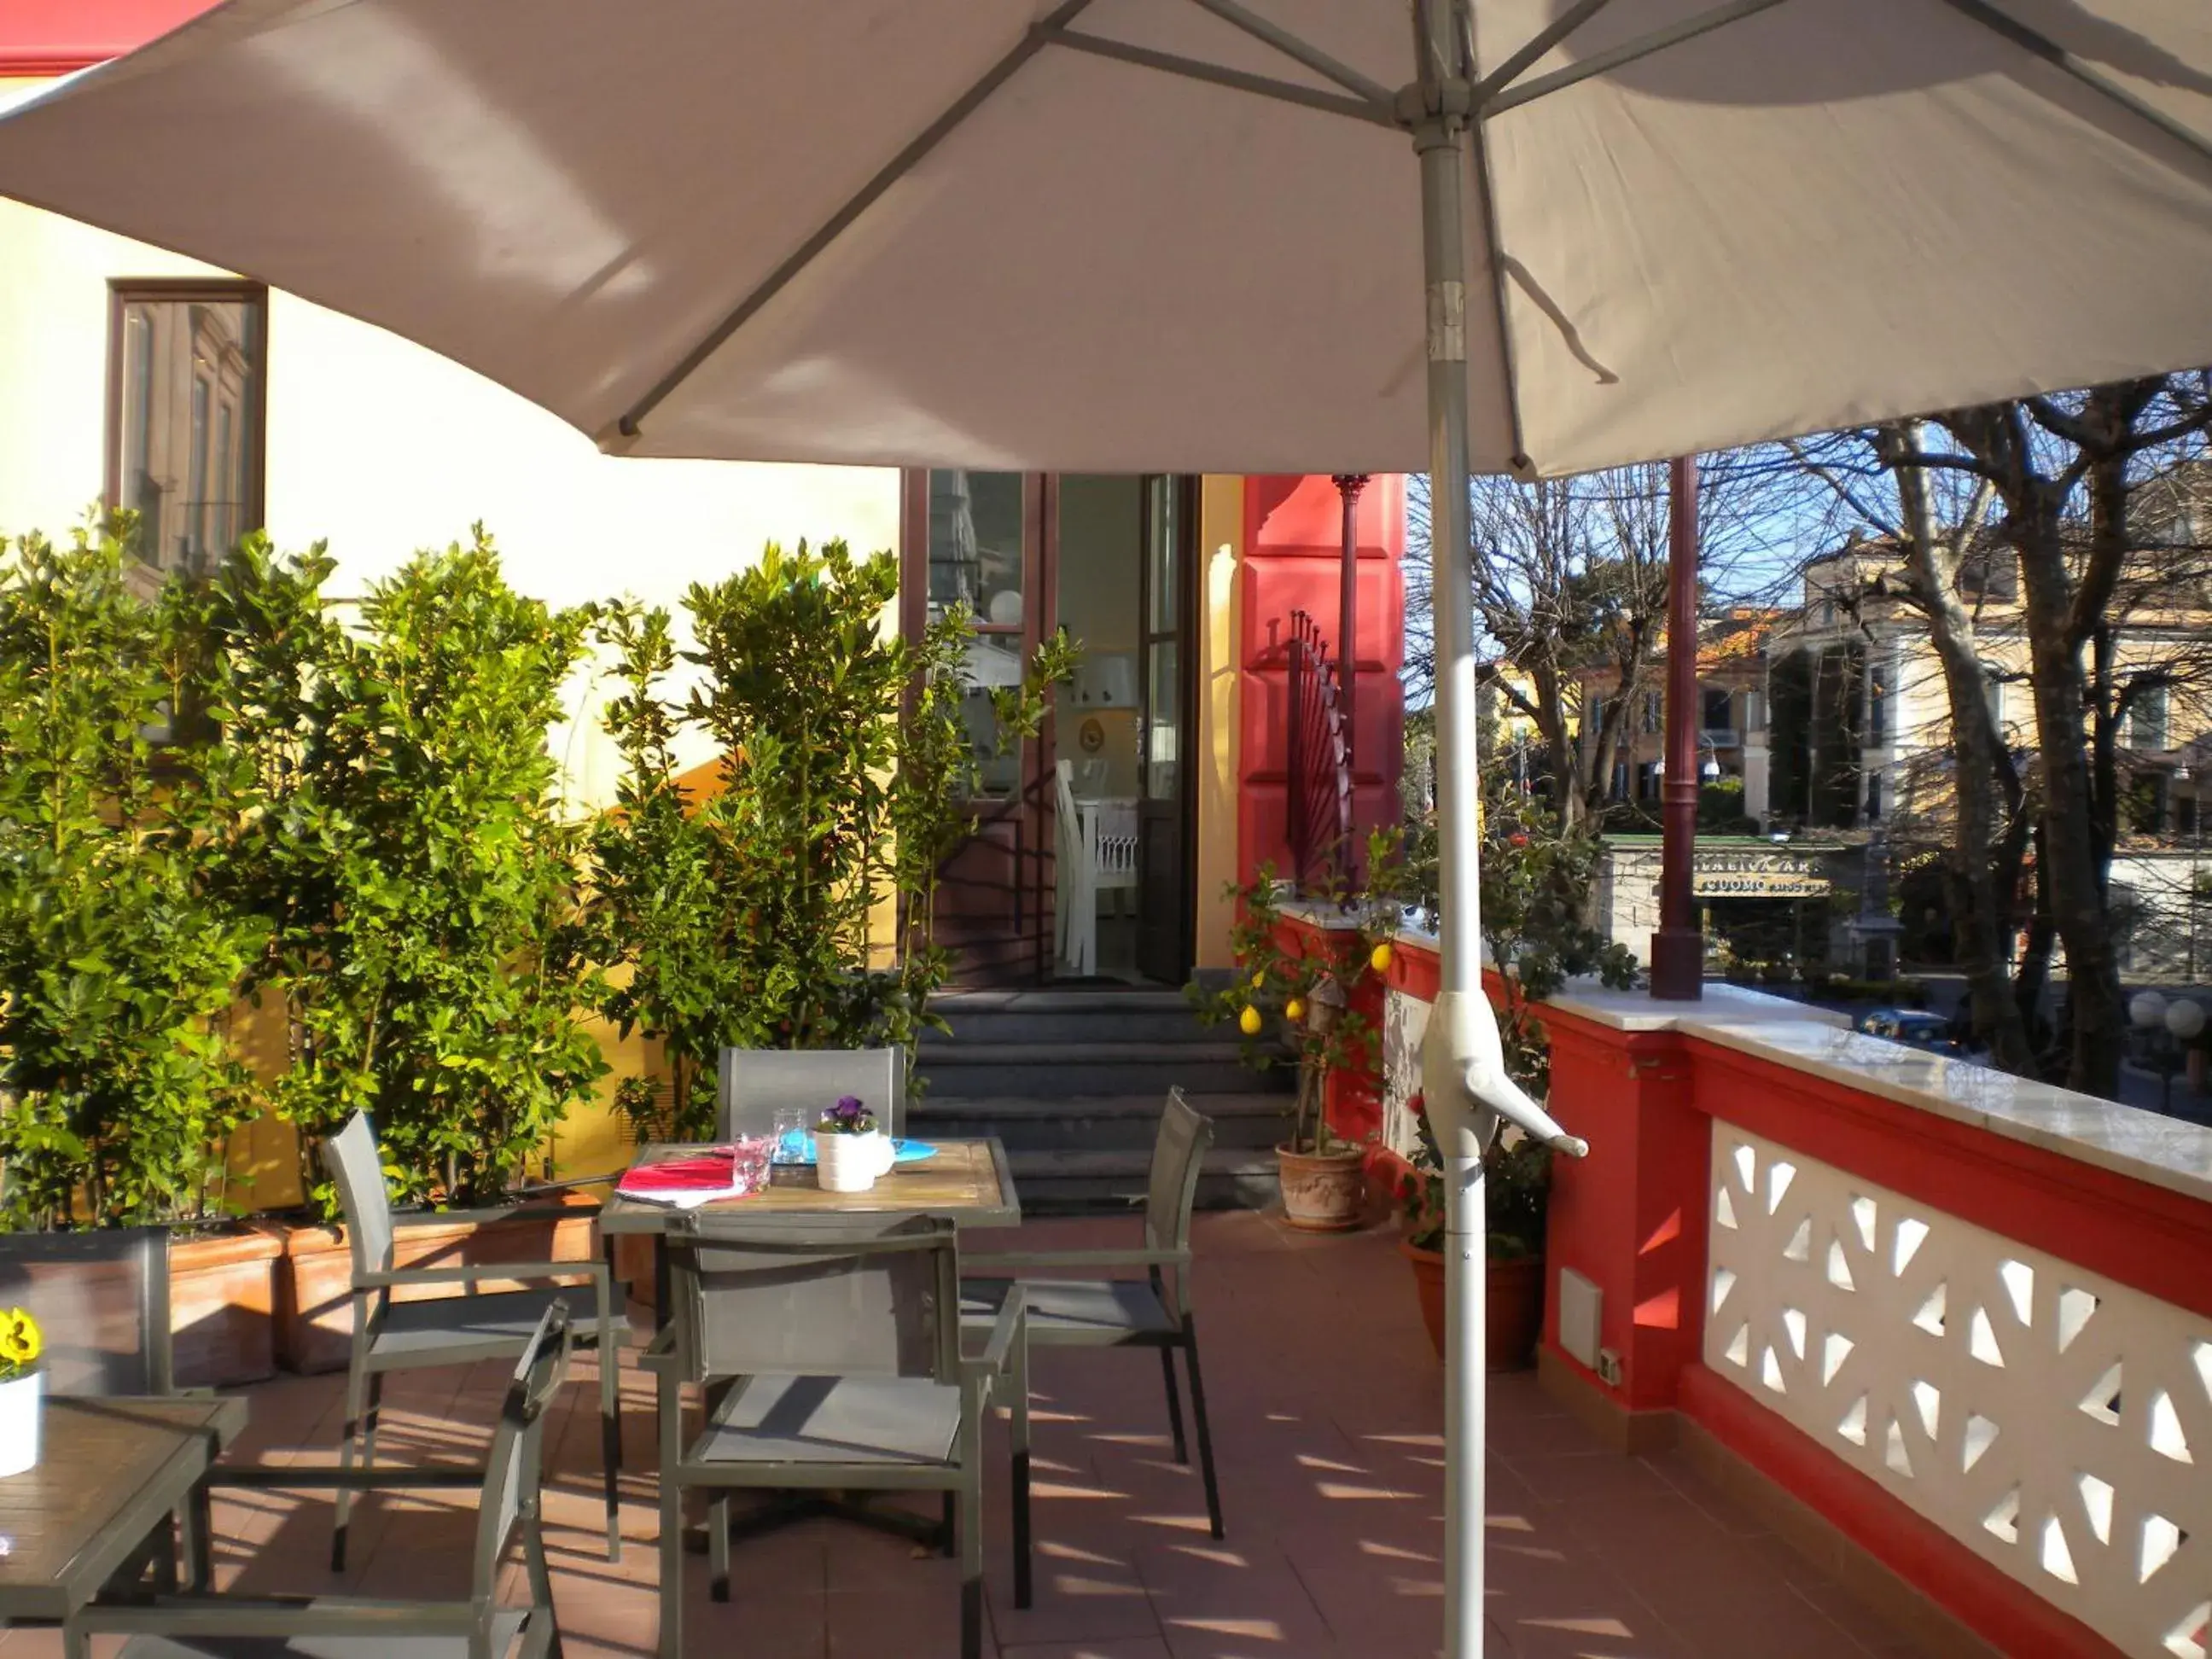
1072, 1082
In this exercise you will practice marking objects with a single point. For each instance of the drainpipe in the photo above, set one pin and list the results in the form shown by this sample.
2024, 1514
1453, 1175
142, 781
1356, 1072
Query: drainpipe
1348, 486
1678, 948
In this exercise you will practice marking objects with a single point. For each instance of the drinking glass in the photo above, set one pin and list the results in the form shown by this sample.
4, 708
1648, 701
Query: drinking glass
790, 1135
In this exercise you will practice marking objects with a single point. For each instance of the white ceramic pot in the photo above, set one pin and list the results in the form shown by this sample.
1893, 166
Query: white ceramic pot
22, 1400
850, 1164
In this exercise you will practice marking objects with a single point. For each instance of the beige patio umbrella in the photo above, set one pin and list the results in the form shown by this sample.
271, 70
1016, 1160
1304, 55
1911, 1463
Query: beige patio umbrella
1175, 235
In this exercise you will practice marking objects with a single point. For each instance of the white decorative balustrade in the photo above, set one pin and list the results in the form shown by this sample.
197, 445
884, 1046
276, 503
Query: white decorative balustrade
2057, 1424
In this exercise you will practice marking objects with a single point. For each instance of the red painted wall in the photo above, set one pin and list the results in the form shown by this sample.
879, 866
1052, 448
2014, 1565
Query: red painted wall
58, 37
1293, 557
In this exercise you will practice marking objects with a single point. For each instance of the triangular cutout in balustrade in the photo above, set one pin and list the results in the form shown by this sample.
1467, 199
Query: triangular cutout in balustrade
2004, 1520
2103, 1400
1931, 1316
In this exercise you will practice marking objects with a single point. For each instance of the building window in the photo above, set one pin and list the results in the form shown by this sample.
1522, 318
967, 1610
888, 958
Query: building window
1877, 731
186, 398
1653, 711
1716, 712
2146, 720
1874, 796
2185, 815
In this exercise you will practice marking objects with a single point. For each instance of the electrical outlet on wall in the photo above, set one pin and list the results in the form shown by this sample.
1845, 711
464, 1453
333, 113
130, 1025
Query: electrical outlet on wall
1608, 1368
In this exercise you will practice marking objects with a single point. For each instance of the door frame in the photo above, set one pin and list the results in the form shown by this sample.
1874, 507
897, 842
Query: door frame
1185, 636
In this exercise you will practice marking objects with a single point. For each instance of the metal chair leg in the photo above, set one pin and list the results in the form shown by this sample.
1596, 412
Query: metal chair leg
718, 1545
972, 1565
356, 1404
1205, 1432
1175, 1405
1020, 1411
948, 1539
611, 1417
670, 1404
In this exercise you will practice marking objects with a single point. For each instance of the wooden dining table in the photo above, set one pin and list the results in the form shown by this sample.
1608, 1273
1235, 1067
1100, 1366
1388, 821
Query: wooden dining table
111, 1469
969, 1182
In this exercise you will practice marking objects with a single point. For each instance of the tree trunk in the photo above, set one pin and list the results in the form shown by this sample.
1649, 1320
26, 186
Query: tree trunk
1978, 877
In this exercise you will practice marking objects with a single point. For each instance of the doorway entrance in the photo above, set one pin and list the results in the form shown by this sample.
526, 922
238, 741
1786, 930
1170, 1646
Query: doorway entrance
1110, 559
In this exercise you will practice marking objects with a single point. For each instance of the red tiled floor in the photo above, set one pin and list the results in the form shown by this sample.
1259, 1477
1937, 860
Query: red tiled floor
1327, 1406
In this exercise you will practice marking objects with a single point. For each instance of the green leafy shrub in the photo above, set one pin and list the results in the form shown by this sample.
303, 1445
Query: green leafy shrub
742, 915
116, 962
398, 831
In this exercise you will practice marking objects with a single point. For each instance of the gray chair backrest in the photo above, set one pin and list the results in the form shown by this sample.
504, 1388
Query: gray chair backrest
1171, 1191
513, 1468
351, 1157
754, 1082
830, 1296
101, 1299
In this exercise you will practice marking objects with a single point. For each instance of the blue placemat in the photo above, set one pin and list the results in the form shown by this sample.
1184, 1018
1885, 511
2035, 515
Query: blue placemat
797, 1147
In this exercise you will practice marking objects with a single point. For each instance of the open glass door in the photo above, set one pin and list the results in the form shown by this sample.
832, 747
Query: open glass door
1166, 824
979, 540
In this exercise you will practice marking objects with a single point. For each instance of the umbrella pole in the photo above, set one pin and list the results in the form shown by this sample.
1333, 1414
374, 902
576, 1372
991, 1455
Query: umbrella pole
1439, 139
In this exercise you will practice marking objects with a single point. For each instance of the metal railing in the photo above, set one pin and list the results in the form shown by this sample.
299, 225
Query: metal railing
1319, 760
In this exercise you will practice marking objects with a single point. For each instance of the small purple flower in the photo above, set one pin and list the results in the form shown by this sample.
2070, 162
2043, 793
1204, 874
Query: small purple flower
848, 1117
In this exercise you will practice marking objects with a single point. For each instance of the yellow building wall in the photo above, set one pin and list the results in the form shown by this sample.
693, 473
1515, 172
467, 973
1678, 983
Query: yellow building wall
1221, 552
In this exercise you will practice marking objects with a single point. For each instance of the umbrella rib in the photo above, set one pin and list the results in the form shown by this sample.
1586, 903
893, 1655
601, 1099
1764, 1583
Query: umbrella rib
1196, 69
1498, 297
807, 251
2039, 44
1627, 52
1291, 45
1545, 39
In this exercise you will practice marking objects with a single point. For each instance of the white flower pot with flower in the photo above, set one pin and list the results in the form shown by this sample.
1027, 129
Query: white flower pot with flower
849, 1150
22, 1390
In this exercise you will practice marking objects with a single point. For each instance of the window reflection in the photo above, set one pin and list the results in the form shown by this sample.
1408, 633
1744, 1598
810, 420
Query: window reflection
186, 439
975, 523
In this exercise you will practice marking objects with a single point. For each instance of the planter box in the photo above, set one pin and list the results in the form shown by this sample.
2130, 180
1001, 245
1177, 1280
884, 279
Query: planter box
223, 1306
314, 1313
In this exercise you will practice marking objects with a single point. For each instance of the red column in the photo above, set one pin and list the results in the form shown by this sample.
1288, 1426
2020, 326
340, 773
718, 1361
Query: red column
1678, 948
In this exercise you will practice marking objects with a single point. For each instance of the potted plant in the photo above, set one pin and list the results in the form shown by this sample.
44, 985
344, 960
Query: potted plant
1304, 988
1516, 1177
1535, 888
849, 1150
22, 1390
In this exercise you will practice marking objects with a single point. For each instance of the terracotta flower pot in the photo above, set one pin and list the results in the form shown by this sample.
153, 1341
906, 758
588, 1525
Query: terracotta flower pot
223, 1306
1513, 1305
1322, 1192
314, 1319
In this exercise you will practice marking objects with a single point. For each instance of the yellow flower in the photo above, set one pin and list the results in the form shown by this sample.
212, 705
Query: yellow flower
1379, 959
20, 1343
1250, 1022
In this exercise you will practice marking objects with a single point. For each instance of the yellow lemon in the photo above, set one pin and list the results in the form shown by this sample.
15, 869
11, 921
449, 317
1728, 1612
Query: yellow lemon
1250, 1022
1259, 979
1379, 958
1294, 1009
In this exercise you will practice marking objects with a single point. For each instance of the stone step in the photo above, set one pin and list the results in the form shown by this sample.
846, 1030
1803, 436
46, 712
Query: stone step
1047, 1016
1078, 1184
1098, 1122
1060, 1070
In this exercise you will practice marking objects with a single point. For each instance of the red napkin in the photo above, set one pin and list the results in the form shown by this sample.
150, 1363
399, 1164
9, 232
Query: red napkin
708, 1172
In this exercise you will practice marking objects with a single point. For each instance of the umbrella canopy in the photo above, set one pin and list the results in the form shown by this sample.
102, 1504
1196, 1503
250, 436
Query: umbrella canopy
1009, 233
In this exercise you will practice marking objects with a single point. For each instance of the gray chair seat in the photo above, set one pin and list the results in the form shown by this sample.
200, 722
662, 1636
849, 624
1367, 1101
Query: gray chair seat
499, 1323
505, 1627
771, 1419
1073, 1310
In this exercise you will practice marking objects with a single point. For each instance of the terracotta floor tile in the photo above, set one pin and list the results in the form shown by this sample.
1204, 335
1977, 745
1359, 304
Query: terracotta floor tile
1327, 1408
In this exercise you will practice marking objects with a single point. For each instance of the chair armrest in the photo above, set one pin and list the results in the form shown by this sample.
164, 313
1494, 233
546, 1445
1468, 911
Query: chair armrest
660, 1353
216, 1616
1009, 1327
595, 1271
1013, 1261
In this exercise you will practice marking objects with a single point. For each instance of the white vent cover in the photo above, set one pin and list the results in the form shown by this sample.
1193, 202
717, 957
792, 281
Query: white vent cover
1580, 1302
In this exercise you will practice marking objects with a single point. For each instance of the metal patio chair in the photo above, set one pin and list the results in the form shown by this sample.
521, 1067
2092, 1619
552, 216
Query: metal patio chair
753, 1083
337, 1627
1153, 1312
389, 1335
828, 1350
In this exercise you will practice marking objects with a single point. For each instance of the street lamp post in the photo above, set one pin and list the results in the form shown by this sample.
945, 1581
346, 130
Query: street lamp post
1678, 948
